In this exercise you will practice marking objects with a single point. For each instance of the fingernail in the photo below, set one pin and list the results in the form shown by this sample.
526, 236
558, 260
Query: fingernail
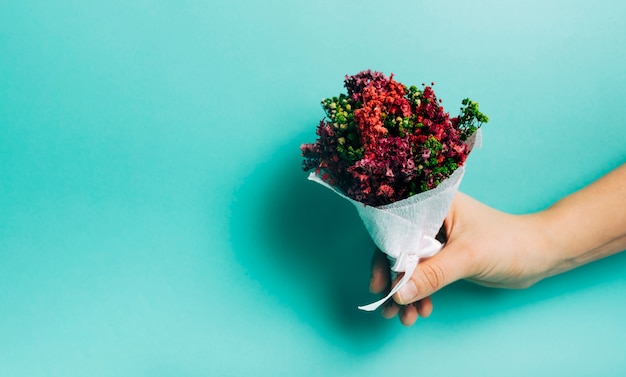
408, 292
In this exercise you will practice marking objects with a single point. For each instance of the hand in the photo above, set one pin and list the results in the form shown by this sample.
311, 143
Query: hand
495, 249
484, 246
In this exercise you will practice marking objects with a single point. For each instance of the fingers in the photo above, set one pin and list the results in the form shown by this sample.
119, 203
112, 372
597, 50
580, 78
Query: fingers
425, 307
380, 272
380, 283
390, 310
431, 275
408, 315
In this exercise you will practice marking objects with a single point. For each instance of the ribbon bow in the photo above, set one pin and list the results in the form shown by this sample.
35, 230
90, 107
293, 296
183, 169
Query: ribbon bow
406, 262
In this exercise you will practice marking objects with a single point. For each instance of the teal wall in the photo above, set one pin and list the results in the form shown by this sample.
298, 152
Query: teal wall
154, 220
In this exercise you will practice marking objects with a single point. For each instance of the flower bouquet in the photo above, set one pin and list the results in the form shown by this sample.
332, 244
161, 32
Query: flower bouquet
395, 154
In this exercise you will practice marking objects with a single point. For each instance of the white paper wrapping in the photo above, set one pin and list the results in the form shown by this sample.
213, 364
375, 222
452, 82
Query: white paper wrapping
405, 230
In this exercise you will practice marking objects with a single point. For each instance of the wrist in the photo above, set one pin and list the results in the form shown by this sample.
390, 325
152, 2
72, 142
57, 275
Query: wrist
589, 224
552, 243
568, 240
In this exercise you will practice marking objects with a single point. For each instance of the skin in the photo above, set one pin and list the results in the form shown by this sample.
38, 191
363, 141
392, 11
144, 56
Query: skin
496, 249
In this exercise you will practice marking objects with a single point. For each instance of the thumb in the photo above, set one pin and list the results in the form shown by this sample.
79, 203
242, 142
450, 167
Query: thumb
431, 275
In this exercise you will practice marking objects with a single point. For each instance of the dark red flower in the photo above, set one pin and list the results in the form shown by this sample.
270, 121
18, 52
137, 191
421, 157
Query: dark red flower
384, 142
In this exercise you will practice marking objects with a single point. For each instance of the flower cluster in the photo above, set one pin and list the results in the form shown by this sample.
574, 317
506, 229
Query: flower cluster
383, 142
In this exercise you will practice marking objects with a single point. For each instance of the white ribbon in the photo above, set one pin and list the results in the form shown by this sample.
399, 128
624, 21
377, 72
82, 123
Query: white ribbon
406, 262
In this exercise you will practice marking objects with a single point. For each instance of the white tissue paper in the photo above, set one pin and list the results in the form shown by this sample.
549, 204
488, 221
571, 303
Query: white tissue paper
405, 230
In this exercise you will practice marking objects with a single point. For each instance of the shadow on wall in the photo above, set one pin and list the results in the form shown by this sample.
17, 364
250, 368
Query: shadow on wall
308, 248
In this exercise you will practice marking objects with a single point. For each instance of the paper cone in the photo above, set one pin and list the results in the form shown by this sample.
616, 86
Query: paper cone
405, 230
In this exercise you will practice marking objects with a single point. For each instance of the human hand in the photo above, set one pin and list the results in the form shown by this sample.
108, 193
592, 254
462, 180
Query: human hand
484, 246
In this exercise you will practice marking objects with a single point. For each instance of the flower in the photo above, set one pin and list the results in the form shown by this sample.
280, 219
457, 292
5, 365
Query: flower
383, 142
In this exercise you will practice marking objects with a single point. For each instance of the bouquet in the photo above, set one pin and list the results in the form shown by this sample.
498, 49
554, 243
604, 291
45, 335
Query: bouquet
398, 157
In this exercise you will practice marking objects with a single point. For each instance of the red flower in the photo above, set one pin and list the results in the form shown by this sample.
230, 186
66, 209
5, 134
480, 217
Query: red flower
384, 142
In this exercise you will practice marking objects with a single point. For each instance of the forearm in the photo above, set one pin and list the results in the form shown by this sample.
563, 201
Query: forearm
589, 224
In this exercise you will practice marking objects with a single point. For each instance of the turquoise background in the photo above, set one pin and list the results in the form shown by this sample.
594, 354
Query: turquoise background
154, 220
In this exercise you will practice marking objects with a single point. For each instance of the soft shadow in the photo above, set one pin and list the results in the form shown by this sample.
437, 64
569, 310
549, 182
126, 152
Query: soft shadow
308, 248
